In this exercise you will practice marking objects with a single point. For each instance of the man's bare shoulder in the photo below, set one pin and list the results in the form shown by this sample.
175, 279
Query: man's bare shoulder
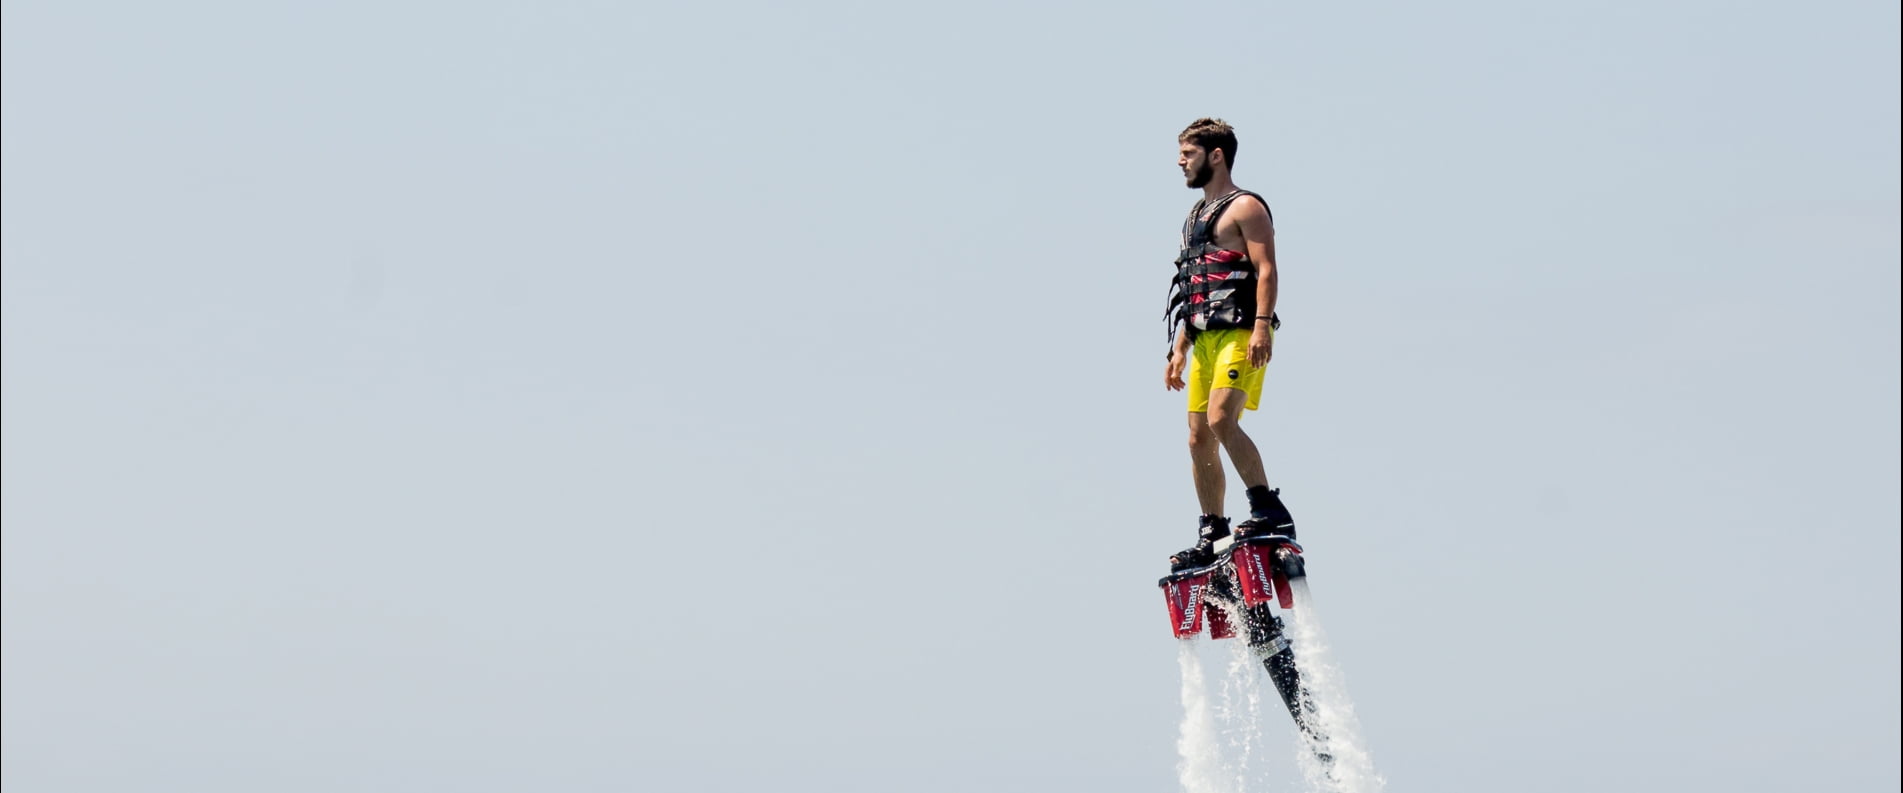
1247, 219
1250, 206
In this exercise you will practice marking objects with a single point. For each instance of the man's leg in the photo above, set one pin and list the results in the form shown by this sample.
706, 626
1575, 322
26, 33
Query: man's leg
1225, 422
1267, 513
1205, 454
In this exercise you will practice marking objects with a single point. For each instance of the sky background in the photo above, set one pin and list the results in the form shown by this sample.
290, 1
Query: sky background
600, 396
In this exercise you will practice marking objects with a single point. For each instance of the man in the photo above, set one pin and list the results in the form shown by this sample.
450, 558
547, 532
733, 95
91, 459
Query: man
1223, 299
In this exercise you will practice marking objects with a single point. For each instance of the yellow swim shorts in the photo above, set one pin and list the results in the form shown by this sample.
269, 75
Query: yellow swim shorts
1220, 359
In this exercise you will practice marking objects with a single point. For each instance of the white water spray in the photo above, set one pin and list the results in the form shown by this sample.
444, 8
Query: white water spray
1240, 718
1222, 745
1334, 718
1198, 747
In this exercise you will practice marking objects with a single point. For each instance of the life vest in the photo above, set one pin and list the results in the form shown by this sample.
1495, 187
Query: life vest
1214, 288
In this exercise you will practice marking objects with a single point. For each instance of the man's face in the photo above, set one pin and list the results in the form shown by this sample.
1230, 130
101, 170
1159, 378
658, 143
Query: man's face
1194, 160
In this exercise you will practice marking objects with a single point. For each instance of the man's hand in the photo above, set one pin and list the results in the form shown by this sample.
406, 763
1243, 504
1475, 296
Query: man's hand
1173, 374
1261, 345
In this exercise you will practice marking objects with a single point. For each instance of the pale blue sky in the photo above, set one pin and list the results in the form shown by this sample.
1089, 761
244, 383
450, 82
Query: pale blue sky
602, 396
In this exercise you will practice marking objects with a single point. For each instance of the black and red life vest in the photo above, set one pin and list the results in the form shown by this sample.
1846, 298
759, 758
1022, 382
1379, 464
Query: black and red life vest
1214, 288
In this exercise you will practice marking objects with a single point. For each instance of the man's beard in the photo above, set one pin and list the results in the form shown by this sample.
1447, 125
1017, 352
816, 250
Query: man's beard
1202, 175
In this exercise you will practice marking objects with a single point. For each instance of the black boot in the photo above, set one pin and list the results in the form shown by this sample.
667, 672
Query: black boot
1267, 515
1203, 553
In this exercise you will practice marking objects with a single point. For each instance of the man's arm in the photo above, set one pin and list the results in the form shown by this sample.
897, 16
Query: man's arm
1258, 240
1179, 359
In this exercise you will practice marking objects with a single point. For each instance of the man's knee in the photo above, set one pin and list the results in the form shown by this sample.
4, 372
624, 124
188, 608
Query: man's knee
1225, 413
1224, 426
1200, 433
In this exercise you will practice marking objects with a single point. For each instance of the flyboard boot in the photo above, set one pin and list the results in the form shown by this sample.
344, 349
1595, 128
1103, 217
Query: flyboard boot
1214, 528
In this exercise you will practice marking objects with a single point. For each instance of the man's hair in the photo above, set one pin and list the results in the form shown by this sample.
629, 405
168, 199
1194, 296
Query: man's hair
1212, 134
